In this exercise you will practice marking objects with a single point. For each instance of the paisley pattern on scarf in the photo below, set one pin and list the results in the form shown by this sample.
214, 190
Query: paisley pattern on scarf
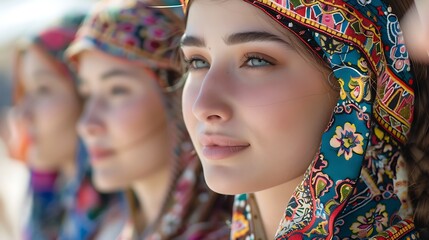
136, 31
350, 191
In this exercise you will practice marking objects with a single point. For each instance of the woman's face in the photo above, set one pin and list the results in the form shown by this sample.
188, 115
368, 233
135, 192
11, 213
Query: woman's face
255, 108
50, 110
124, 124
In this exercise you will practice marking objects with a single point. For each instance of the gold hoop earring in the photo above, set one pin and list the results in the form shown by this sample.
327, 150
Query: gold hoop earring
333, 83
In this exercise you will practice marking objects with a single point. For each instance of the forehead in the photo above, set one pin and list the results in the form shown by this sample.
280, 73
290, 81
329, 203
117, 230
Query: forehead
92, 63
33, 58
35, 64
207, 18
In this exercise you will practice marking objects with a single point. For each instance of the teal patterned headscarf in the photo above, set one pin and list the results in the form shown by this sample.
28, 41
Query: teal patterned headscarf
354, 187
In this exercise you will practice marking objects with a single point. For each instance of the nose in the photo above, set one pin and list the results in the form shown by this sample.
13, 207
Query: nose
90, 123
213, 104
24, 111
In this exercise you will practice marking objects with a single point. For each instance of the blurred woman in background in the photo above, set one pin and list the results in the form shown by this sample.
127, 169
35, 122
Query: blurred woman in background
64, 203
132, 124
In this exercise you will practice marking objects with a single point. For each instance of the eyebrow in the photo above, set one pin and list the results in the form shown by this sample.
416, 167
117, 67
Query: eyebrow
245, 37
43, 73
112, 73
118, 73
191, 41
236, 38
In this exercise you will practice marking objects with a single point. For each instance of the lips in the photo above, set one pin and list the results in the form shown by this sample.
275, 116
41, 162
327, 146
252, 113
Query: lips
99, 154
216, 147
30, 138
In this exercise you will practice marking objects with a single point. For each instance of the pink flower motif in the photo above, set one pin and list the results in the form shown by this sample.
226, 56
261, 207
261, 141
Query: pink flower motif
347, 140
56, 39
374, 219
150, 20
151, 46
87, 198
126, 27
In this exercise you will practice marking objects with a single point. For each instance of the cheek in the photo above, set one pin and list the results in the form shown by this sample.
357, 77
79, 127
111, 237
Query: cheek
55, 115
290, 129
190, 93
135, 119
274, 88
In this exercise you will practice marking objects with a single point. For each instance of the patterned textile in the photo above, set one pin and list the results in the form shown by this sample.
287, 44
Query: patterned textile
133, 30
46, 207
72, 210
63, 210
138, 31
349, 190
88, 212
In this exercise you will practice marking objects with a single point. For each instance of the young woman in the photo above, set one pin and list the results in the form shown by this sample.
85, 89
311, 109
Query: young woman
132, 123
302, 105
64, 203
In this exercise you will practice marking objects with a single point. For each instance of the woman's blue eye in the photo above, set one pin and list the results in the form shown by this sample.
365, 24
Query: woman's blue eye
257, 62
43, 90
117, 91
198, 64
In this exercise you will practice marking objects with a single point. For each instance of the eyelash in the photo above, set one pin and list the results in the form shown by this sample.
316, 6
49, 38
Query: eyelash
191, 61
43, 90
118, 91
251, 56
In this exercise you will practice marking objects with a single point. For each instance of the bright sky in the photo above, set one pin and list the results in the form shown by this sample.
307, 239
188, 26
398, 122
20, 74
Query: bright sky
18, 17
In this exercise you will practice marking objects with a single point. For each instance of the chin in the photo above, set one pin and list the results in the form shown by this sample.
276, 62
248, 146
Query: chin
225, 181
106, 186
43, 166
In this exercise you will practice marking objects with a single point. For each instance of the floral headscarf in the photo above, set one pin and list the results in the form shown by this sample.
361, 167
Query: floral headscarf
132, 30
148, 33
355, 186
59, 206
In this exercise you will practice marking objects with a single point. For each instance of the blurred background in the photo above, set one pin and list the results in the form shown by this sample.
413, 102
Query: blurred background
19, 18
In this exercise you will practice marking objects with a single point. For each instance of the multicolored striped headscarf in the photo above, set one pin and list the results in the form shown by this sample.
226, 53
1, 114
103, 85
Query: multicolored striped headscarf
356, 186
148, 32
72, 210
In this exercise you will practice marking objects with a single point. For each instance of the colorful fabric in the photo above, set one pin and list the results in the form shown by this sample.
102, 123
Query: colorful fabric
63, 210
140, 32
349, 189
46, 207
88, 212
133, 30
70, 210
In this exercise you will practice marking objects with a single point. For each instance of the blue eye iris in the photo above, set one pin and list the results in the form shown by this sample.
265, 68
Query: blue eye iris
257, 62
198, 64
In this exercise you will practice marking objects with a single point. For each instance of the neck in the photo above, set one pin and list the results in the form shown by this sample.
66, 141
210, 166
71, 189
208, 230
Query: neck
151, 194
152, 190
68, 170
272, 203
